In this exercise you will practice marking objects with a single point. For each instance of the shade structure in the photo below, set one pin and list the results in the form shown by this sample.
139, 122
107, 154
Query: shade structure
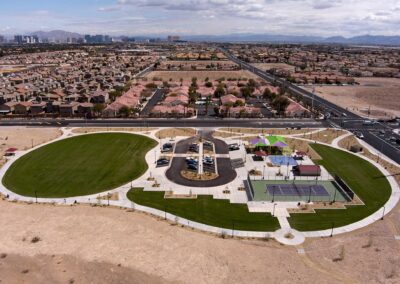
276, 141
280, 144
259, 142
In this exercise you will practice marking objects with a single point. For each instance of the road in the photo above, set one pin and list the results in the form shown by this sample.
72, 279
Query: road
157, 97
200, 123
346, 119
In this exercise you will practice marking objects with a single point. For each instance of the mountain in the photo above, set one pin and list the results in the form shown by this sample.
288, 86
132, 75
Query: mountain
57, 35
362, 40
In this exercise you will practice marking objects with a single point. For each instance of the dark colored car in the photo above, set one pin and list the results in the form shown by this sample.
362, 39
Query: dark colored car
192, 167
162, 162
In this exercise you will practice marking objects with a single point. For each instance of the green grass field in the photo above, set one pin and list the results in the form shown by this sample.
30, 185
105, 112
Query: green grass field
206, 210
80, 165
363, 178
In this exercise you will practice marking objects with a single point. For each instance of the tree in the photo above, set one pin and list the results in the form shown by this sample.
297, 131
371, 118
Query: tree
194, 83
115, 94
246, 92
238, 103
219, 91
208, 84
151, 86
208, 99
216, 110
280, 104
125, 111
98, 108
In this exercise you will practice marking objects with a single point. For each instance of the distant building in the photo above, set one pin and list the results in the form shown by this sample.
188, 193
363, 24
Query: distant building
22, 39
98, 39
19, 39
2, 39
173, 38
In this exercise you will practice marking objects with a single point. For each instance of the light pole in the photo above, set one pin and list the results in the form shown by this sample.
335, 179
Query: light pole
383, 213
264, 172
333, 225
36, 196
273, 211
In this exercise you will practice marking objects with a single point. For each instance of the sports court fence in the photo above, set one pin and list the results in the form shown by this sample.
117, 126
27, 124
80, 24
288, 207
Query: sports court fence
343, 188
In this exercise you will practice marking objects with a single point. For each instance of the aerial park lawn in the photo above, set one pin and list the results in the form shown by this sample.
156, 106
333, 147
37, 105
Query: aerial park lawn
79, 166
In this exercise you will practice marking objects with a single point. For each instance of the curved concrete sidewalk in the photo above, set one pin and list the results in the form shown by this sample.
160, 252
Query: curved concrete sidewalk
285, 235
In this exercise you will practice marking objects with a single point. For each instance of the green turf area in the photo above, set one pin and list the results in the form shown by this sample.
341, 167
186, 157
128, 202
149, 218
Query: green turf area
206, 210
82, 165
362, 177
261, 194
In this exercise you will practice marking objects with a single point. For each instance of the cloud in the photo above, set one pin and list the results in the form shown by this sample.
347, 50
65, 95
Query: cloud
109, 9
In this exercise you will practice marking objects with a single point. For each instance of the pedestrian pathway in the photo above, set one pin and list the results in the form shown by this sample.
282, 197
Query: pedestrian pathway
285, 235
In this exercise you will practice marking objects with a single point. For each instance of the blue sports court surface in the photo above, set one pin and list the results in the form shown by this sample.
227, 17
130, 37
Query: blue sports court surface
282, 161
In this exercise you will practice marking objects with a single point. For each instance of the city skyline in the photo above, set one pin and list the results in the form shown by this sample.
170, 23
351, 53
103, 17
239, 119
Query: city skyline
202, 17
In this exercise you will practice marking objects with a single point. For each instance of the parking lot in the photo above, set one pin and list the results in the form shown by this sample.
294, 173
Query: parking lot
197, 157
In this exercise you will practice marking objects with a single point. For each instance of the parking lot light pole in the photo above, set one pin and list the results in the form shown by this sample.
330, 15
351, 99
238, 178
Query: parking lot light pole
264, 172
383, 213
35, 196
333, 226
273, 211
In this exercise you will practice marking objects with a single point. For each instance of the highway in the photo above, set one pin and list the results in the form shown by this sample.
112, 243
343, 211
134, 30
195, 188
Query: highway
386, 143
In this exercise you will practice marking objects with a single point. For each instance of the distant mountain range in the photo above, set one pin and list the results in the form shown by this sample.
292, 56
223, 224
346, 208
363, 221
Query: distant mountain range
361, 40
57, 35
364, 39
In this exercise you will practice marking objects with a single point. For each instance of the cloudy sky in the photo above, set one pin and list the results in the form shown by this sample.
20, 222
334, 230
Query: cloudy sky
196, 17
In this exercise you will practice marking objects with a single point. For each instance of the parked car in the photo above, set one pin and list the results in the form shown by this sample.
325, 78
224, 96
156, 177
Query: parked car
167, 147
162, 162
359, 135
192, 167
234, 147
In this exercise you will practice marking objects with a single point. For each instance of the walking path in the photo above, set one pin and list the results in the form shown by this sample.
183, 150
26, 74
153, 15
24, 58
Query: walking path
285, 235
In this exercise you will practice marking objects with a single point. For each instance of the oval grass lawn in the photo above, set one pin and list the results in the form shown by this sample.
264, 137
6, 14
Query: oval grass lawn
363, 178
78, 166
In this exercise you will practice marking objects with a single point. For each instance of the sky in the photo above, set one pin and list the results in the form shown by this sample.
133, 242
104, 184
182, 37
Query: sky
203, 17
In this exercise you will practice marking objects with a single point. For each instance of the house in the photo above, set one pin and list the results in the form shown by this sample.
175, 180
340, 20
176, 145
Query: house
172, 111
38, 108
294, 109
7, 107
176, 99
68, 110
85, 108
22, 108
230, 100
99, 97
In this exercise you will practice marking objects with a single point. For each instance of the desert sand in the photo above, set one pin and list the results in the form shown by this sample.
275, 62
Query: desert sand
380, 96
24, 138
131, 245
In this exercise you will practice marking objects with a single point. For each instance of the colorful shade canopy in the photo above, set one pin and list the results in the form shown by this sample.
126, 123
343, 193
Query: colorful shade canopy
276, 141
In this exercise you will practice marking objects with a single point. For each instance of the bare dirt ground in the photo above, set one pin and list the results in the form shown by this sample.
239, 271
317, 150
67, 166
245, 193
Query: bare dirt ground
103, 129
11, 137
381, 95
91, 243
199, 64
174, 132
67, 269
325, 136
200, 75
271, 131
267, 66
